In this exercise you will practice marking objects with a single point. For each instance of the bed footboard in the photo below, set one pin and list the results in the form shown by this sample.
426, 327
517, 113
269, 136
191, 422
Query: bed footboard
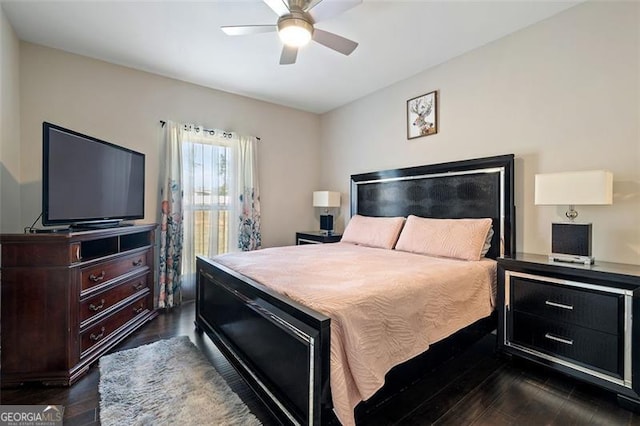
280, 347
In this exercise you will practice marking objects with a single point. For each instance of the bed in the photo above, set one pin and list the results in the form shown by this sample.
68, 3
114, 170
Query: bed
282, 347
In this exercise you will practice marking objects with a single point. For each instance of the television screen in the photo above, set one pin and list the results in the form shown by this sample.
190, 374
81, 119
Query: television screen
86, 180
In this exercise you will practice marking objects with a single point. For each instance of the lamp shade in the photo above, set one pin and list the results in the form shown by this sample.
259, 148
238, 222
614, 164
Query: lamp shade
326, 199
574, 188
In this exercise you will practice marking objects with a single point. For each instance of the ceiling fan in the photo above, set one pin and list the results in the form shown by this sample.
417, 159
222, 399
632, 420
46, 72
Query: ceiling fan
296, 28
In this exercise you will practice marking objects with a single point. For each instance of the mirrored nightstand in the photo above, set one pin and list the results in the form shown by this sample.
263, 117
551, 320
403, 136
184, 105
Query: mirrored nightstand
316, 237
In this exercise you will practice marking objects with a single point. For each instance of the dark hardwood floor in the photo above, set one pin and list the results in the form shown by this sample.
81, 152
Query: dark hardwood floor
475, 388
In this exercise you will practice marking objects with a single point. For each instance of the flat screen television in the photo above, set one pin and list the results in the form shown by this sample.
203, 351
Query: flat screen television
87, 182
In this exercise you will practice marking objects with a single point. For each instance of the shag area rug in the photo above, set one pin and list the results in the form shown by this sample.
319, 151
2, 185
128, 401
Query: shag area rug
169, 382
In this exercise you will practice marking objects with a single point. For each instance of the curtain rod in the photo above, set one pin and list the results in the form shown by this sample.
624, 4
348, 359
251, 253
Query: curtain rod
162, 123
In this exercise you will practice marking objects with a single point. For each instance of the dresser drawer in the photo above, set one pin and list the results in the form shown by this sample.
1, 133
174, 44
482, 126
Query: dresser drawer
106, 328
106, 271
590, 347
106, 300
597, 310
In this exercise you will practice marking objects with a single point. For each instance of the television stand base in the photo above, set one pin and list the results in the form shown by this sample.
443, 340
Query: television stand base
97, 225
49, 230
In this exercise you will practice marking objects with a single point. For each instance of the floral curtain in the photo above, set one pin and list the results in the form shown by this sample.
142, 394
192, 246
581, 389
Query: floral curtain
171, 229
210, 203
249, 237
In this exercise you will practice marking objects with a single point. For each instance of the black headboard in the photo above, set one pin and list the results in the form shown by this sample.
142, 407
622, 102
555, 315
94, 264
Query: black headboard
477, 188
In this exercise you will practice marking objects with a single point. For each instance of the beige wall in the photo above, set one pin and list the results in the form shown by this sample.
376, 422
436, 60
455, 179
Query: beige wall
124, 106
561, 95
9, 127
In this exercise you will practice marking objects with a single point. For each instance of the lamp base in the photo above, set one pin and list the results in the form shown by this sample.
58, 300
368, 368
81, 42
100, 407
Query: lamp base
326, 223
571, 242
568, 258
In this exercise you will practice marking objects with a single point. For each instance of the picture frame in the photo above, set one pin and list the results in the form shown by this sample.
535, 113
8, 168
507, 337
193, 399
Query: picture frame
422, 115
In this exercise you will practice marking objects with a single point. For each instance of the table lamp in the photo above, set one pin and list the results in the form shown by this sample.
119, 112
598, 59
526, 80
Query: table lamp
571, 241
326, 199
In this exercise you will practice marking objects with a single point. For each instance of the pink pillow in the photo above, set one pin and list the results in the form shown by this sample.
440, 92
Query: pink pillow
381, 232
455, 238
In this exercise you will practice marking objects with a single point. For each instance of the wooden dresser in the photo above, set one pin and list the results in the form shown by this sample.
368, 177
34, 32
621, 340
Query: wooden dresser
67, 298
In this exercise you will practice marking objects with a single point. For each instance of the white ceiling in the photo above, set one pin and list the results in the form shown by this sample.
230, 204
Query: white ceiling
183, 40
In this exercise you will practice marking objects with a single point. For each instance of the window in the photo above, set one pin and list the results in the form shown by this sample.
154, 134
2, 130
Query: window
207, 204
209, 219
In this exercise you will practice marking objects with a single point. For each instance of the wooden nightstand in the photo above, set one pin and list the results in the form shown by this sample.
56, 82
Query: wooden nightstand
575, 319
316, 237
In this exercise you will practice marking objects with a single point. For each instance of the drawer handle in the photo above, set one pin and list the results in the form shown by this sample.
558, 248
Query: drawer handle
559, 305
138, 286
138, 309
96, 337
558, 339
95, 308
97, 278
137, 262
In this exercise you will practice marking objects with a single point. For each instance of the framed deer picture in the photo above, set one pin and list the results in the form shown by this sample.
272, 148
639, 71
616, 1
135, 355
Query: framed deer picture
422, 115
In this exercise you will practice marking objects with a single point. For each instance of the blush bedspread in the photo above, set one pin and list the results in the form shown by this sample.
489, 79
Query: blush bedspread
386, 306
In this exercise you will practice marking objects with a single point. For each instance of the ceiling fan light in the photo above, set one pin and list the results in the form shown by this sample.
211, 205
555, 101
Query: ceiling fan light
295, 32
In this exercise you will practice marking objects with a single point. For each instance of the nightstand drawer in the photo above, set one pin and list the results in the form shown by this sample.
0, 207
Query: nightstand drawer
578, 344
596, 310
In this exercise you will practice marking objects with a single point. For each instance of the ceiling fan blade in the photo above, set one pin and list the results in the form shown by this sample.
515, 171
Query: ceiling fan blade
311, 4
325, 9
289, 55
280, 7
235, 30
334, 41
